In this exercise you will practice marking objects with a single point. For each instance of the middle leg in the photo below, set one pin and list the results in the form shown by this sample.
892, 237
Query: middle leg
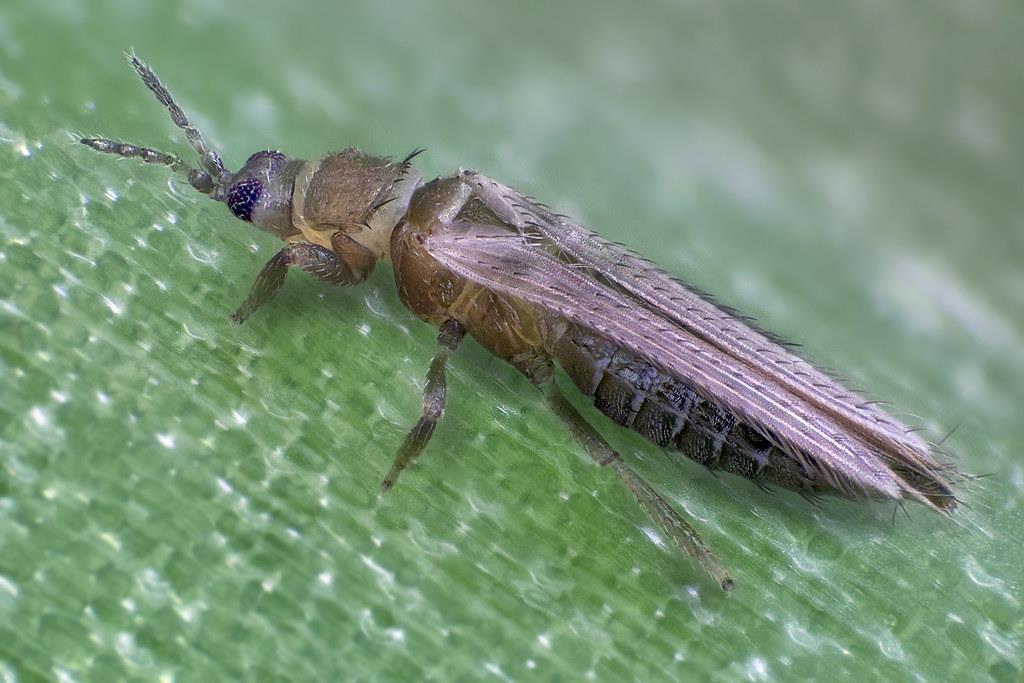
434, 396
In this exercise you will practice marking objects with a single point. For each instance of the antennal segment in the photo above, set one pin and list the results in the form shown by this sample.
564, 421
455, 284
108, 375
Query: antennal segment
200, 180
210, 160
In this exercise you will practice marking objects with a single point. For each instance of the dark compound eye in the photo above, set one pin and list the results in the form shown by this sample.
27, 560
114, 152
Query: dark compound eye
242, 197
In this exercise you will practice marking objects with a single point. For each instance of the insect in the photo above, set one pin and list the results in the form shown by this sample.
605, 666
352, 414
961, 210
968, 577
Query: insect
475, 257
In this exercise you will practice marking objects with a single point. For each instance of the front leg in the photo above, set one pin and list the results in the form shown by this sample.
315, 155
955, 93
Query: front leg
351, 267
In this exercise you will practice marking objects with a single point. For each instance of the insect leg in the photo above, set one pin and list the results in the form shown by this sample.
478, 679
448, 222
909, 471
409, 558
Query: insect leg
319, 261
660, 511
433, 403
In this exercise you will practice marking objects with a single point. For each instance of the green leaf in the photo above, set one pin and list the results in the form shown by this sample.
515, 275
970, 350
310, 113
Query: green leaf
188, 499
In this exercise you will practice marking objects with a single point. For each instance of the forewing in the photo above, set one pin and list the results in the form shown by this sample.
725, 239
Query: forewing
658, 291
513, 265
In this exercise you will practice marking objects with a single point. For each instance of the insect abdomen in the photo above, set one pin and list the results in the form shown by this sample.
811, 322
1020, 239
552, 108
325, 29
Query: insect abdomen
635, 394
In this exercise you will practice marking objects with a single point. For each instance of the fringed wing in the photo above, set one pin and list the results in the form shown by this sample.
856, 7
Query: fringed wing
902, 449
521, 266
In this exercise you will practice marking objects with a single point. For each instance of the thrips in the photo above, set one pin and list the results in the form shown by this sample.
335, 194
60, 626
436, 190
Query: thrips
473, 256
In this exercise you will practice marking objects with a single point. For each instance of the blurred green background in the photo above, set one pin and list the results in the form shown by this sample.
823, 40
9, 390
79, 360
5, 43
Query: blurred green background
182, 499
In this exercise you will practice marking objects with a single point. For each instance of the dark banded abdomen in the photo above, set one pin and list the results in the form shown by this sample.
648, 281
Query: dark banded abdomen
635, 394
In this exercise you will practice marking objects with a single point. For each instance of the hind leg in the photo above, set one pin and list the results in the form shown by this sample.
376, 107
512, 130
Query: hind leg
684, 535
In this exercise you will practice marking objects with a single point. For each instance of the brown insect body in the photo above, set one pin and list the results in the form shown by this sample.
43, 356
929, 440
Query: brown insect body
625, 387
472, 256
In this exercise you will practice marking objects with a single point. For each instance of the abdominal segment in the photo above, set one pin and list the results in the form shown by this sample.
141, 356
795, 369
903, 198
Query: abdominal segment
635, 394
